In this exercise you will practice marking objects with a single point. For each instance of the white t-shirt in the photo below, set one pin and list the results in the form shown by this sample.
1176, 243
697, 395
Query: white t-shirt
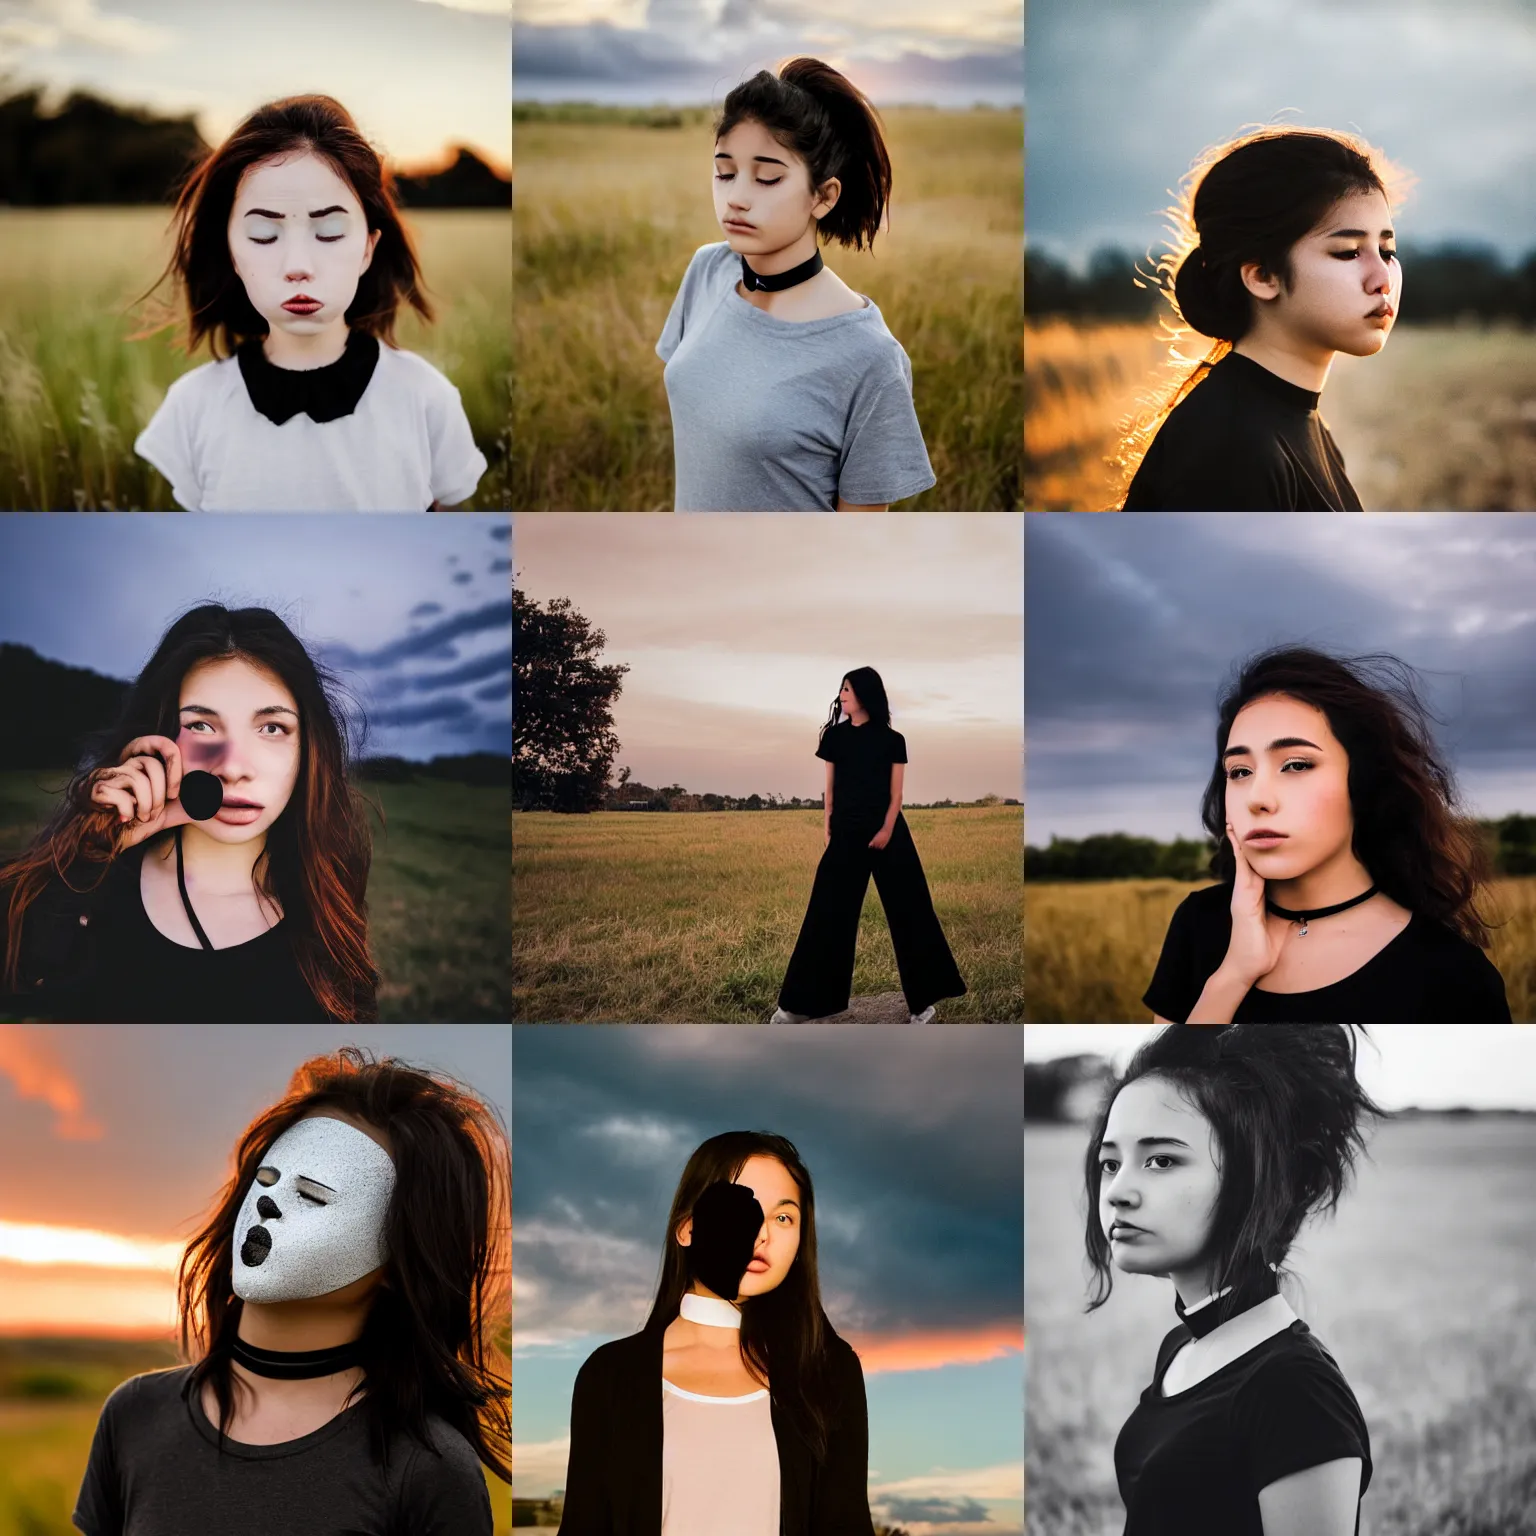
406, 445
719, 1465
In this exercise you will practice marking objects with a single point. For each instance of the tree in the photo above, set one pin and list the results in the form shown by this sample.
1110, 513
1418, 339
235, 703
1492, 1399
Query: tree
563, 741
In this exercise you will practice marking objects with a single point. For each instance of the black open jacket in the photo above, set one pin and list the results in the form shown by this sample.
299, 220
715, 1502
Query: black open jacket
60, 937
613, 1480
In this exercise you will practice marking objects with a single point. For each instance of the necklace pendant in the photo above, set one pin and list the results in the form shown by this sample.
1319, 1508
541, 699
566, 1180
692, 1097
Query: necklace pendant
1302, 933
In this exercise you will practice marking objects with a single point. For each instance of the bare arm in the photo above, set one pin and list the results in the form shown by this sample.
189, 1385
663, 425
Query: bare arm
1318, 1501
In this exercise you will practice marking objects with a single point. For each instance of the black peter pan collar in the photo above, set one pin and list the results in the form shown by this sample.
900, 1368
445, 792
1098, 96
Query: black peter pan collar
323, 394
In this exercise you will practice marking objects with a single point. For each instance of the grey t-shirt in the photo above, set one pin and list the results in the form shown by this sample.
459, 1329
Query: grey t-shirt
784, 416
156, 1470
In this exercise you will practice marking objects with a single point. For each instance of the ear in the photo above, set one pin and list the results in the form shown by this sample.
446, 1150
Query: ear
685, 1232
373, 240
1258, 282
827, 197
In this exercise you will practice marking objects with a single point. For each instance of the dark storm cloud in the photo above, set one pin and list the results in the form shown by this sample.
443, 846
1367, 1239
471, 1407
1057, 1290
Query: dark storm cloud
450, 713
434, 641
496, 690
960, 1511
470, 672
502, 532
913, 1138
1124, 95
496, 567
426, 610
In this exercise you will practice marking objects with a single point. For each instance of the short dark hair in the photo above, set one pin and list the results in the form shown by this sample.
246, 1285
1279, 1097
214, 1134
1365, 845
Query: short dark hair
1285, 1106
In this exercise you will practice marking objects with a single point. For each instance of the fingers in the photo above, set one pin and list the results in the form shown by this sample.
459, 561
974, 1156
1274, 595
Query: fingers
163, 749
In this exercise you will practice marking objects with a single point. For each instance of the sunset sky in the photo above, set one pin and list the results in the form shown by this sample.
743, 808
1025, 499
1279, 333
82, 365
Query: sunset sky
418, 75
738, 630
913, 1139
115, 1138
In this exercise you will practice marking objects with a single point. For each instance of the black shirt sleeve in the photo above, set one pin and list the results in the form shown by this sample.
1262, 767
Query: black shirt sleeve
1190, 468
443, 1491
588, 1510
898, 747
1176, 983
99, 1507
1298, 1413
841, 1503
826, 748
1469, 990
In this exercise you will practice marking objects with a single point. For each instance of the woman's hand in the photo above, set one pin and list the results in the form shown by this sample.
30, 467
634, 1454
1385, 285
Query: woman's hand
1253, 950
142, 789
881, 838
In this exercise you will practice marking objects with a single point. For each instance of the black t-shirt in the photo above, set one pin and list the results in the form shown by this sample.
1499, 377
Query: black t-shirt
861, 756
1192, 1464
156, 1470
1243, 440
1425, 975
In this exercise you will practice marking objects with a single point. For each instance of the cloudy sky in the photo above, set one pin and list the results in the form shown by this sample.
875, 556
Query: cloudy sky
738, 630
1134, 622
1123, 96
913, 1139
115, 1138
221, 61
694, 51
412, 612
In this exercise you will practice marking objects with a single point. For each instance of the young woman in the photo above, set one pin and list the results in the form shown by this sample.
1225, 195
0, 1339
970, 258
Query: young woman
865, 834
1348, 885
292, 258
1287, 256
787, 391
127, 908
736, 1407
1212, 1150
345, 1312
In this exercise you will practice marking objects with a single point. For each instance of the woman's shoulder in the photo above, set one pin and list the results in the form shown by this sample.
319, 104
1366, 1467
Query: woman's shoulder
711, 264
146, 1395
1207, 904
413, 371
207, 382
1459, 974
619, 1356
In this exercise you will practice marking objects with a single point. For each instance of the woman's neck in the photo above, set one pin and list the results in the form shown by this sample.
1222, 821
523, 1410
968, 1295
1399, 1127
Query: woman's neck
1337, 879
703, 1335
219, 869
284, 350
859, 716
771, 263
301, 1325
1298, 362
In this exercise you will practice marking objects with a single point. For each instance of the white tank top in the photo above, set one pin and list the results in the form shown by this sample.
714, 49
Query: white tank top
719, 1465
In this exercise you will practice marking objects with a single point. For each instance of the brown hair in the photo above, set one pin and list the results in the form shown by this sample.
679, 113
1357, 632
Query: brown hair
201, 268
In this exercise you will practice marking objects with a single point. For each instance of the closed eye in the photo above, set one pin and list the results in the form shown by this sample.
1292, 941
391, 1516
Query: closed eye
304, 1194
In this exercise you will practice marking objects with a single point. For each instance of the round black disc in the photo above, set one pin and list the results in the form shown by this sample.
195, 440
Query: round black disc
202, 794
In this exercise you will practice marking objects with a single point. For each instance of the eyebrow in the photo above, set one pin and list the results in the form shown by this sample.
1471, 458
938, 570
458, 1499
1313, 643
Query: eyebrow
1358, 234
1150, 1141
1277, 745
794, 1203
266, 709
267, 213
313, 1183
720, 154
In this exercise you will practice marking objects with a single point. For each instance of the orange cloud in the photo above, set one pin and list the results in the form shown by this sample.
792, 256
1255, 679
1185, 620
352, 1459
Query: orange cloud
29, 1061
930, 1351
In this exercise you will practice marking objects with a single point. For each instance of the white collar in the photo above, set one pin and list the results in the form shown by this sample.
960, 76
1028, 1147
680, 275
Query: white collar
1205, 1302
711, 1311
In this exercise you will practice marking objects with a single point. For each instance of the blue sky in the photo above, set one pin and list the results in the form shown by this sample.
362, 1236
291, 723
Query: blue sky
914, 1140
413, 612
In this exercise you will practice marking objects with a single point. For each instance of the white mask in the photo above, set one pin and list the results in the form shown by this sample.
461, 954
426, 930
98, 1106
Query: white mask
313, 1219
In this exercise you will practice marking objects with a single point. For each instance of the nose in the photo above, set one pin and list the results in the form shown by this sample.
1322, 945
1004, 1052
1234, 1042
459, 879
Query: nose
1259, 797
266, 1208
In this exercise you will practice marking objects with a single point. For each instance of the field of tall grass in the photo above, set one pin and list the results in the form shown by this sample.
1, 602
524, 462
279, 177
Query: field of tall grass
623, 917
51, 1392
1432, 1320
1443, 419
75, 391
1090, 947
438, 900
610, 209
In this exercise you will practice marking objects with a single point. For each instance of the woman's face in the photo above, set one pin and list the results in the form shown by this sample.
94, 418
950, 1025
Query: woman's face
1287, 787
297, 231
1159, 1173
847, 698
1346, 285
240, 723
767, 188
779, 1241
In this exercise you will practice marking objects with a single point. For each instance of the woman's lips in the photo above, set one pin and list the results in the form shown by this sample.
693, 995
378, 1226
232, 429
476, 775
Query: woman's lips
1264, 839
739, 226
758, 1267
237, 814
303, 306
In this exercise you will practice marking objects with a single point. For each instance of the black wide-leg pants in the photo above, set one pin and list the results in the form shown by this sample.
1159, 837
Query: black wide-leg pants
819, 980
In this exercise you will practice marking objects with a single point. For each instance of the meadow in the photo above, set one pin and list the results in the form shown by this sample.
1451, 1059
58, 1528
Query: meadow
1442, 1370
623, 917
438, 894
51, 1392
610, 209
75, 391
1090, 947
1443, 419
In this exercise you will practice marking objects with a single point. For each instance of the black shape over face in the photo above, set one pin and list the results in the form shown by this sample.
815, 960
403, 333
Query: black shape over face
257, 1245
726, 1223
201, 794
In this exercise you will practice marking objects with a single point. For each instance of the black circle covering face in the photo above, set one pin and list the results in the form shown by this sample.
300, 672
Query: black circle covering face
726, 1221
202, 795
256, 1247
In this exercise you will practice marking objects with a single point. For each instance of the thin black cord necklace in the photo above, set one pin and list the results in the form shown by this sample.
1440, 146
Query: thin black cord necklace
1306, 917
777, 282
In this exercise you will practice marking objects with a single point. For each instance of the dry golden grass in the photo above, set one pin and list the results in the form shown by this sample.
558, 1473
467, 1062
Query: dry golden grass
1090, 947
609, 215
1442, 420
622, 917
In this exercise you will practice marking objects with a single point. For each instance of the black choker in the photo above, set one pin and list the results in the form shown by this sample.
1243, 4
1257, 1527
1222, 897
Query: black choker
296, 1364
1249, 1293
1306, 917
779, 281
322, 394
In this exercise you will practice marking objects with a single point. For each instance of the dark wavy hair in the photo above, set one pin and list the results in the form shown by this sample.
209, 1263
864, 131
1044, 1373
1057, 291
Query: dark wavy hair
318, 852
870, 692
438, 1335
822, 116
1249, 199
203, 274
1402, 794
785, 1333
1285, 1107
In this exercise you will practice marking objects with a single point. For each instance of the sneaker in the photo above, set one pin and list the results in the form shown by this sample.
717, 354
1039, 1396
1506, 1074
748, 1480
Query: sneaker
925, 1017
780, 1017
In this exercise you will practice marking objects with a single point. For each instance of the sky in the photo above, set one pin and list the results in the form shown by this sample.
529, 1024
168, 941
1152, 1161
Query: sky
1477, 1066
413, 613
913, 1139
1123, 96
1135, 621
222, 61
738, 629
114, 1139
694, 51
